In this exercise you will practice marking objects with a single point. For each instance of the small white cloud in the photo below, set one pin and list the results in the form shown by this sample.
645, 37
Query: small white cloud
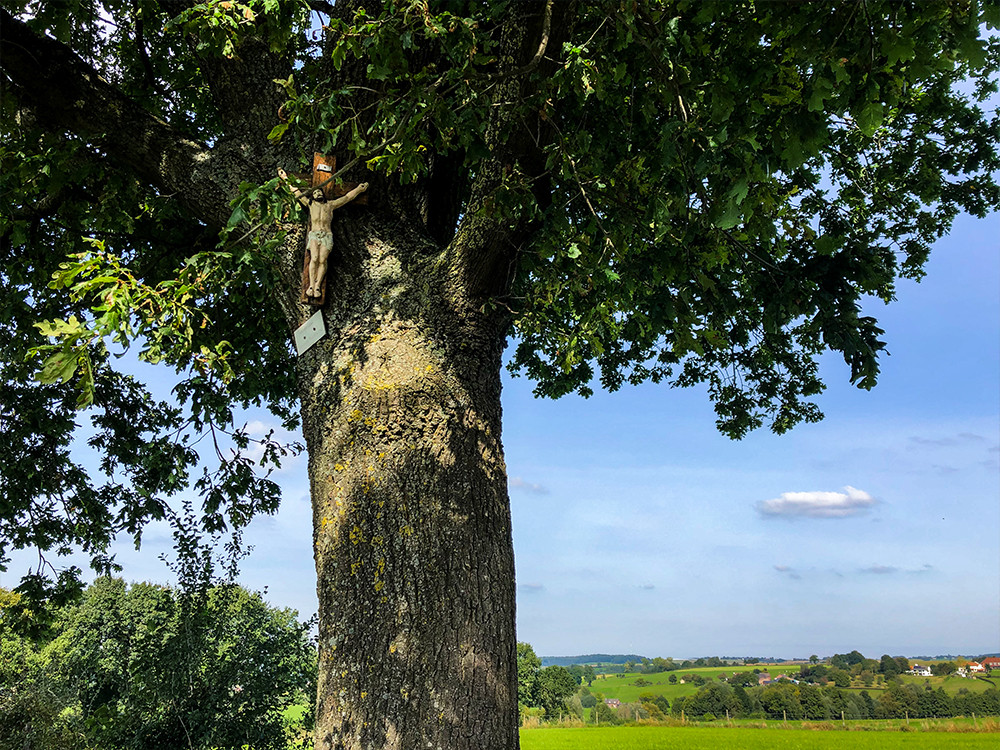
948, 441
516, 483
647, 587
531, 588
789, 571
256, 428
880, 570
943, 469
850, 502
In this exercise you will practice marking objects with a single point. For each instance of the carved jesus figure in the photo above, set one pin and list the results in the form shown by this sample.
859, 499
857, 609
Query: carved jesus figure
320, 237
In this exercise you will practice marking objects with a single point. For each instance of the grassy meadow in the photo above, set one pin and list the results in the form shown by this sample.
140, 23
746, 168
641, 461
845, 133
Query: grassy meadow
624, 688
800, 736
951, 685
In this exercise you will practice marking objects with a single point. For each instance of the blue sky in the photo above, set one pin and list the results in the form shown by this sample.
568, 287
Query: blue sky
639, 529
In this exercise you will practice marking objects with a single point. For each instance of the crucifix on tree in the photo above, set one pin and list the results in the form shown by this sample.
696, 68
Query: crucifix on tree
322, 199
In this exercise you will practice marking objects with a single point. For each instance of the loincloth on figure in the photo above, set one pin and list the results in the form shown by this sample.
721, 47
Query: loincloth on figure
323, 238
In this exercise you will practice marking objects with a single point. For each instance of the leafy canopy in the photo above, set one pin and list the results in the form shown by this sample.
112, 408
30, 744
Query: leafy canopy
712, 188
146, 666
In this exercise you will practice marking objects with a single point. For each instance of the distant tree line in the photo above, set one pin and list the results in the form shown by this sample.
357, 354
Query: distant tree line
592, 659
659, 664
787, 700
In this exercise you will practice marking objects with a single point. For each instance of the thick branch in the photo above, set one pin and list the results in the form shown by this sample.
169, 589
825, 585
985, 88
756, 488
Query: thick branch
486, 245
68, 95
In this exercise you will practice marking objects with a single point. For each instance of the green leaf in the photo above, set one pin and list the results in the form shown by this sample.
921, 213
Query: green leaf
59, 367
822, 90
990, 15
238, 216
870, 117
277, 131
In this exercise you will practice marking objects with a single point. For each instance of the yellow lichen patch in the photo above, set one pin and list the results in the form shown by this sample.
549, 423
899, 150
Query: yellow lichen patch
357, 535
377, 384
356, 566
406, 531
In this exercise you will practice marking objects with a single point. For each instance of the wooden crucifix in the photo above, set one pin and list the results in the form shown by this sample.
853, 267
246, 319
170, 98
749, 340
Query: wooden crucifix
322, 199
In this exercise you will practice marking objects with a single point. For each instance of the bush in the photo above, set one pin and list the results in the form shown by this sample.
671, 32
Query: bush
602, 713
148, 667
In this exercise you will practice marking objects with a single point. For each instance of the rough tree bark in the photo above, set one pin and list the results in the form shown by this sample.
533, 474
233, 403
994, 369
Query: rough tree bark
411, 524
400, 402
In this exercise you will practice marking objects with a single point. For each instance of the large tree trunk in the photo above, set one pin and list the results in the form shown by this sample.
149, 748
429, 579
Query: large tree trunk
411, 520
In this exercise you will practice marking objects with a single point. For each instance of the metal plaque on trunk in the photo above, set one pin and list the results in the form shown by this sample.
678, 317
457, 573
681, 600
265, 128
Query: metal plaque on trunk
310, 332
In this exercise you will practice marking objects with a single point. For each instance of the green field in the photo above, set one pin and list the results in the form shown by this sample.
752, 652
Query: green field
951, 685
711, 738
623, 687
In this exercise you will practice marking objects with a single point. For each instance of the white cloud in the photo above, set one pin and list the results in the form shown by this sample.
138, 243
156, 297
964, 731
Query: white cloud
257, 428
790, 571
880, 570
516, 483
851, 502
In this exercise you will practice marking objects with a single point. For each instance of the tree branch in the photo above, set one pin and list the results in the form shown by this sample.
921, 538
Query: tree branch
486, 245
67, 95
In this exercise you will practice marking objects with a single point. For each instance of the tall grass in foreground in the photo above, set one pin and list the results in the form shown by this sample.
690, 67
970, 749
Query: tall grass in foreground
802, 737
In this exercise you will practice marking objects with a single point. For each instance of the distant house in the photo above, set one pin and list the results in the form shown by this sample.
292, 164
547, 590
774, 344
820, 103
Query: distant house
784, 677
991, 662
613, 702
975, 666
919, 671
763, 678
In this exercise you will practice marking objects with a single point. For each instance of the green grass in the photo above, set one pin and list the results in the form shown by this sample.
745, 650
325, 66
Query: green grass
624, 689
951, 685
736, 738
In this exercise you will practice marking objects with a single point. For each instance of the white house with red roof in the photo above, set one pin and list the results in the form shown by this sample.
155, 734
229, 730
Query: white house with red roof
975, 666
991, 662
